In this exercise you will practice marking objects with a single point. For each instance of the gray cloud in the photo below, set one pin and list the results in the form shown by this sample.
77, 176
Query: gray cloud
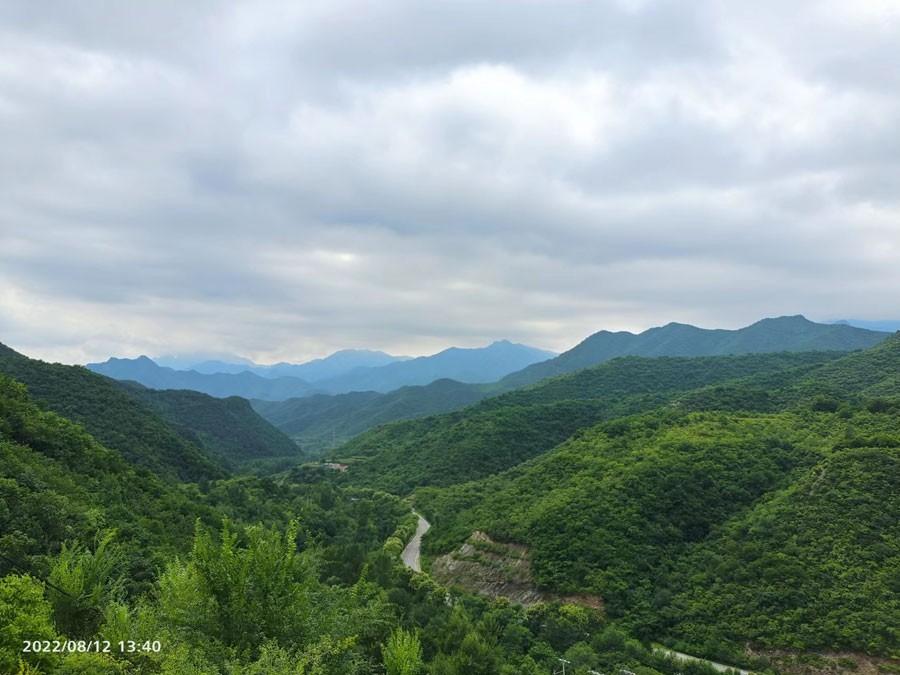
281, 180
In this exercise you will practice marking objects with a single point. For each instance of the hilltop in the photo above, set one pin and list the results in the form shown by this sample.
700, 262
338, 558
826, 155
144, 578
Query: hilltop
337, 374
786, 333
181, 434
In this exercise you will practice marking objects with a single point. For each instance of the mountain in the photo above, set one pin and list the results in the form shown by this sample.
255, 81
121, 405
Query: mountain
320, 421
240, 575
786, 333
111, 416
464, 365
485, 364
334, 365
722, 527
188, 361
60, 484
318, 369
228, 429
500, 432
889, 326
245, 384
175, 433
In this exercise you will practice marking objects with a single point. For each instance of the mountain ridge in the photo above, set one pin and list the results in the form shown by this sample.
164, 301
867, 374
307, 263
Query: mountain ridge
786, 333
482, 364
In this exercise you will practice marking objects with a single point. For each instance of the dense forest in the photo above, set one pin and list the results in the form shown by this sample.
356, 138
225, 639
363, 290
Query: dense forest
714, 504
711, 529
242, 575
317, 423
500, 432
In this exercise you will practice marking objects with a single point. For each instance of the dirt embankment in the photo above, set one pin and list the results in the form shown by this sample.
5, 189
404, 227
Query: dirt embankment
490, 568
826, 662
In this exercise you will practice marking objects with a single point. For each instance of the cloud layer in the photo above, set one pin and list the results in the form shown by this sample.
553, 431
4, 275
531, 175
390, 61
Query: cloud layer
281, 179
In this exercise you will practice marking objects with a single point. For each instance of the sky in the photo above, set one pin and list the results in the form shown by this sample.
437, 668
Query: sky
280, 180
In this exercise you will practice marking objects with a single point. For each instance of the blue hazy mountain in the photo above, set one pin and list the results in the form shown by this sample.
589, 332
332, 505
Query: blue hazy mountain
337, 364
889, 325
485, 364
318, 369
190, 361
249, 385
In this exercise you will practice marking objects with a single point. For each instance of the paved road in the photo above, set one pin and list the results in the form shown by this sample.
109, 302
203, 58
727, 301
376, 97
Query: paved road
687, 657
411, 552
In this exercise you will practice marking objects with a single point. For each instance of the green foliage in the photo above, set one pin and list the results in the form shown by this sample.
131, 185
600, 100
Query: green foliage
817, 563
24, 615
319, 422
403, 654
731, 508
714, 528
227, 429
241, 596
88, 581
501, 432
111, 416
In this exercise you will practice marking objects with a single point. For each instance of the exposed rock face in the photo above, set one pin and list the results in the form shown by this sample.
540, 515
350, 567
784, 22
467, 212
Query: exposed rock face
490, 568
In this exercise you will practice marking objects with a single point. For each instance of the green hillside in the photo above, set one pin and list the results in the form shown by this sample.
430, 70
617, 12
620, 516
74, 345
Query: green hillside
110, 415
719, 527
228, 429
786, 333
243, 576
318, 422
500, 432
58, 484
680, 522
817, 563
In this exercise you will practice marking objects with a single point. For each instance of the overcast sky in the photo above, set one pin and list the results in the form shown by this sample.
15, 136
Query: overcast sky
284, 179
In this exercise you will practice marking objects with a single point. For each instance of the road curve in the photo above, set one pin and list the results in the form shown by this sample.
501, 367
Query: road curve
721, 667
411, 552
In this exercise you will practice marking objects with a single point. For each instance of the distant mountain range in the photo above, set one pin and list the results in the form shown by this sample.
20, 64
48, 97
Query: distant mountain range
786, 333
338, 363
317, 422
890, 326
144, 371
485, 364
341, 372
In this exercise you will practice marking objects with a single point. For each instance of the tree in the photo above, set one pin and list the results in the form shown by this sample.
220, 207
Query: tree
403, 653
91, 581
24, 615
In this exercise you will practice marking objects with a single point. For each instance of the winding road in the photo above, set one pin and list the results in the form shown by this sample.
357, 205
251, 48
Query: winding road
411, 552
721, 667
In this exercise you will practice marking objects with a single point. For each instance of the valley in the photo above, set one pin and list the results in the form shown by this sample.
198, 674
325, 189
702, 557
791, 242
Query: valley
735, 507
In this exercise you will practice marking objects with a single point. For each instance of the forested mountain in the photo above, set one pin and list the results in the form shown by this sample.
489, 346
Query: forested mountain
247, 385
172, 432
499, 432
720, 527
227, 428
111, 415
318, 422
240, 576
713, 503
786, 333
